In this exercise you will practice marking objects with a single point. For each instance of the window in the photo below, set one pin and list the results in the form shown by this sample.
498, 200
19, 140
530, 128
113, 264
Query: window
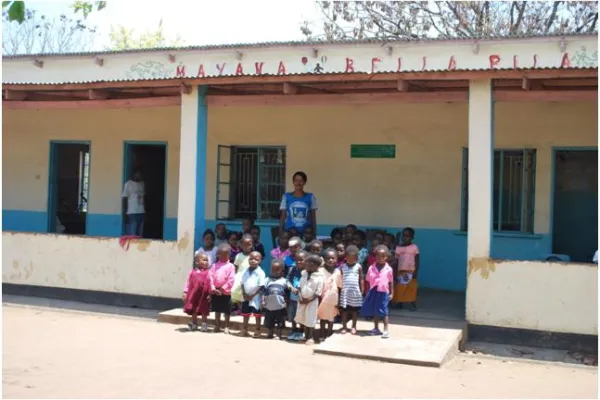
250, 182
513, 197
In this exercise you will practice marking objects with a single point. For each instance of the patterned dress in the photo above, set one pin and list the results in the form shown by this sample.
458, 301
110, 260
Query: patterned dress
350, 295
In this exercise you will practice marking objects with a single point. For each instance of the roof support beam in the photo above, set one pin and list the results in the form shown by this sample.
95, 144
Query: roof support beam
526, 84
288, 88
166, 101
402, 85
14, 94
186, 89
94, 94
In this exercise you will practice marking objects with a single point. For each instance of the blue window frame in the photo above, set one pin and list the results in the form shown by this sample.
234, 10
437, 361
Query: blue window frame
514, 190
250, 182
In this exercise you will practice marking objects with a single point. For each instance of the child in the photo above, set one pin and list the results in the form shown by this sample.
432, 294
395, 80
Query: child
308, 235
359, 239
294, 277
337, 236
332, 283
371, 257
381, 281
233, 239
258, 246
295, 245
283, 250
196, 293
241, 262
311, 288
341, 254
351, 298
223, 275
407, 256
253, 283
247, 224
349, 232
208, 246
315, 247
221, 234
274, 299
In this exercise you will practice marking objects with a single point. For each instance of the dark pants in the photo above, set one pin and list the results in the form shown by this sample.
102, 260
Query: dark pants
135, 225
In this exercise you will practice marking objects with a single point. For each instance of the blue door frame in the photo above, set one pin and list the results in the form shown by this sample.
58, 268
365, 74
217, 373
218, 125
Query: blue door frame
555, 150
127, 147
53, 177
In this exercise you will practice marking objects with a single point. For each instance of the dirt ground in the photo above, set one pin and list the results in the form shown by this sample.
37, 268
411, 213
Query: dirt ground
49, 353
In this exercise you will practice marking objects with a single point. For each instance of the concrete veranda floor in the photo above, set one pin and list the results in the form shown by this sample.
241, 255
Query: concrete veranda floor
91, 353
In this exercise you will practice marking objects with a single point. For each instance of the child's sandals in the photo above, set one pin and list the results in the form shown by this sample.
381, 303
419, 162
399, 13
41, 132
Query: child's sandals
353, 331
256, 335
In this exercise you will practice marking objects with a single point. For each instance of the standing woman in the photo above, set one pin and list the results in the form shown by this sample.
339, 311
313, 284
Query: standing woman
298, 208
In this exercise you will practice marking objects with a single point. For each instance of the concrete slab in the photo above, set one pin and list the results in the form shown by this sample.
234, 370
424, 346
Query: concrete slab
414, 341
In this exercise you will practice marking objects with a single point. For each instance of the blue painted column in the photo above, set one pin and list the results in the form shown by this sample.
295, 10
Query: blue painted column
201, 143
192, 168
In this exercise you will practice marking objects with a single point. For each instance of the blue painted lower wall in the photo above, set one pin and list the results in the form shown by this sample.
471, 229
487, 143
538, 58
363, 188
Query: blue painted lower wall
443, 251
106, 225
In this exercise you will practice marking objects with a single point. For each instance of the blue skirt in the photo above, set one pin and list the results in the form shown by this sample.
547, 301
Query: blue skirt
376, 304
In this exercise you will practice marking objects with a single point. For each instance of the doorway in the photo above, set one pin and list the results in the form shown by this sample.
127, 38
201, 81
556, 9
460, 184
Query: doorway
68, 187
575, 213
150, 158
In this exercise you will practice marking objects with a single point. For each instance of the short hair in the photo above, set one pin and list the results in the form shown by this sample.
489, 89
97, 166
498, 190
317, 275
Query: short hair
352, 226
277, 261
336, 231
315, 242
256, 252
330, 250
294, 239
302, 175
352, 249
208, 232
249, 218
232, 233
361, 234
246, 236
255, 228
411, 230
382, 247
302, 252
224, 247
314, 260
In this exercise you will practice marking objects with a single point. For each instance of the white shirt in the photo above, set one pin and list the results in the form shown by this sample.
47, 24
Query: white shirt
252, 280
134, 192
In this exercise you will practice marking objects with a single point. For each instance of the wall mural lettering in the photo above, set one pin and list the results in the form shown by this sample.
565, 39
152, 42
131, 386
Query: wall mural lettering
581, 58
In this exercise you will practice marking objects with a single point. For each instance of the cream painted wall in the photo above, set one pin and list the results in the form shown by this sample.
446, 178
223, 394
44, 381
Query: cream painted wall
546, 296
26, 136
149, 267
422, 186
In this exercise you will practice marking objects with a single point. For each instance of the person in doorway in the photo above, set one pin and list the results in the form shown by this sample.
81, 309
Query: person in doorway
298, 208
133, 205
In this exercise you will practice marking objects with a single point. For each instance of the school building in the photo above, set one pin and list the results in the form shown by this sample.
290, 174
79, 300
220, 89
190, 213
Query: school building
488, 148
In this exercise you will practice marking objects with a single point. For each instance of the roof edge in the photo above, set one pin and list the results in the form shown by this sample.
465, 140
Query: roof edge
306, 43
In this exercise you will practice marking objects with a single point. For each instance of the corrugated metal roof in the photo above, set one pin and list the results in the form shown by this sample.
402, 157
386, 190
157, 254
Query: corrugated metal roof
366, 74
306, 43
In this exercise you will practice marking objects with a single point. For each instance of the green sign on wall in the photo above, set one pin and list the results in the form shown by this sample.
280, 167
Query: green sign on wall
372, 151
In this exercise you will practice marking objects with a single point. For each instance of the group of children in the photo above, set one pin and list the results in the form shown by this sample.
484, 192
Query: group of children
307, 284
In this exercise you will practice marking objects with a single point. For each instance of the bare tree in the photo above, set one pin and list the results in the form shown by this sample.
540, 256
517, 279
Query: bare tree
451, 19
40, 34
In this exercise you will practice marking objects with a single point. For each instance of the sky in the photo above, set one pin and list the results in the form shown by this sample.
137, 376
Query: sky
199, 22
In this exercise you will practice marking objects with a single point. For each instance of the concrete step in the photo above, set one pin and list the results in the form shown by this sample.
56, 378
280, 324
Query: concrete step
429, 346
414, 341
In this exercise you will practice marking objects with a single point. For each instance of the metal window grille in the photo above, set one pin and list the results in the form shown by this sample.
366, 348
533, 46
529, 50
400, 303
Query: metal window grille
250, 182
513, 196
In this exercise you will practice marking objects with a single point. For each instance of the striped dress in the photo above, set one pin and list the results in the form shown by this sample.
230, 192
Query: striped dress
350, 295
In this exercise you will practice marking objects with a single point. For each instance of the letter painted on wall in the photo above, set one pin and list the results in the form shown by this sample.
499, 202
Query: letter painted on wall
368, 58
